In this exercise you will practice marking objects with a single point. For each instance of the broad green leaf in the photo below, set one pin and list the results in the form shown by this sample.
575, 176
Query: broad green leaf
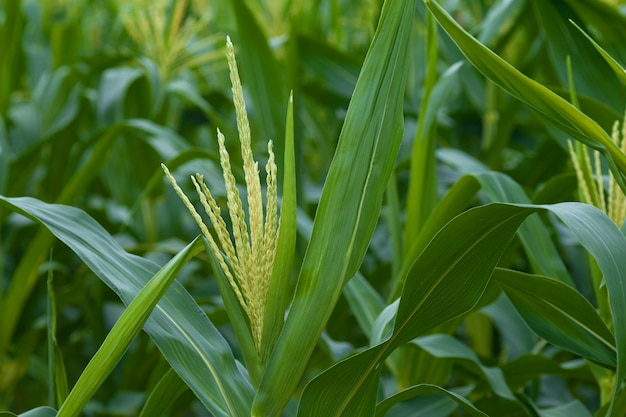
351, 382
607, 245
349, 206
529, 367
535, 237
550, 105
25, 275
113, 88
445, 282
123, 333
559, 314
426, 389
445, 346
450, 275
187, 339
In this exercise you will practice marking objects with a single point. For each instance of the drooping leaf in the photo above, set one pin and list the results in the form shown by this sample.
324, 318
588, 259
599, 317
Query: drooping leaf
188, 340
445, 346
559, 314
450, 275
426, 389
550, 105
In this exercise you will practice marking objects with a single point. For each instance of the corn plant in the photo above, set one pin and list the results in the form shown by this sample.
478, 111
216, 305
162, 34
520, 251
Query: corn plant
384, 268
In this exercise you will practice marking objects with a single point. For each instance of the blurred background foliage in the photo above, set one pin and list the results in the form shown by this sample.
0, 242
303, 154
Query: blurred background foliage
94, 95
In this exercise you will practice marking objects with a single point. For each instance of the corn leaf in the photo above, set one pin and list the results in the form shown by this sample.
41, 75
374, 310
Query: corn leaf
278, 292
550, 105
188, 340
426, 389
449, 277
123, 333
616, 66
559, 314
445, 346
349, 206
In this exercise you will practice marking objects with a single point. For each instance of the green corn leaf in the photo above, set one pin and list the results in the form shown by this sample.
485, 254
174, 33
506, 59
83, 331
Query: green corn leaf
559, 314
449, 277
123, 333
523, 369
278, 293
445, 282
445, 346
535, 237
349, 206
564, 42
426, 389
187, 339
35, 412
422, 192
616, 66
547, 103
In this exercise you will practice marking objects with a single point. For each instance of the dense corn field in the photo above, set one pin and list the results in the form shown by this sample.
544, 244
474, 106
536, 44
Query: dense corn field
312, 208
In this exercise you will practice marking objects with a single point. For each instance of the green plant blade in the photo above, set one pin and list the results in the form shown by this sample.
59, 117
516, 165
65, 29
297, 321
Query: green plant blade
35, 412
559, 314
535, 237
339, 389
426, 389
349, 206
606, 243
187, 339
616, 66
278, 292
547, 103
451, 274
445, 282
124, 332
445, 346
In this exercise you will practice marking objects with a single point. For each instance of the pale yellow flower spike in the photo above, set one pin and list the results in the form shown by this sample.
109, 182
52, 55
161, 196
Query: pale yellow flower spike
205, 232
614, 203
247, 259
579, 173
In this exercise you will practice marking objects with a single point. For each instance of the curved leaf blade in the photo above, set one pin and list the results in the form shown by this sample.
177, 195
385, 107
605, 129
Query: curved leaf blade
554, 108
559, 314
183, 333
